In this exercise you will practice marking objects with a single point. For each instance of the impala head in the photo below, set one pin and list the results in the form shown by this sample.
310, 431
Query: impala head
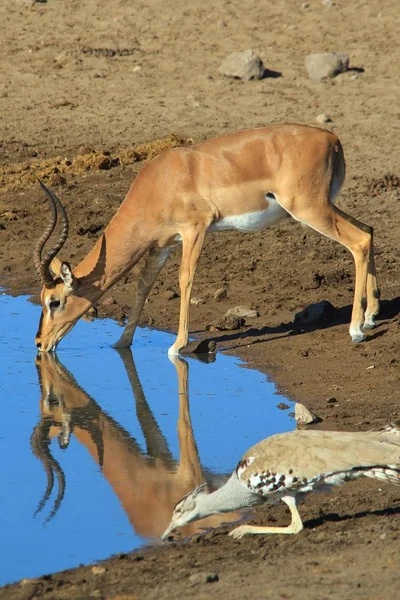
186, 510
59, 314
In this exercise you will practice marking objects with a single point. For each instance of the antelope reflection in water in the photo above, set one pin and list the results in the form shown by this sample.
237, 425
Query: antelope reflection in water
147, 485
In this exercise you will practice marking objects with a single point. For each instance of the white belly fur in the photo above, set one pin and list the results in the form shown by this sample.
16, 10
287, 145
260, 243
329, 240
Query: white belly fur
253, 221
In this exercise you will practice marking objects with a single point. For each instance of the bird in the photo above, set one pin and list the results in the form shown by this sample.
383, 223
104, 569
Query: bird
289, 465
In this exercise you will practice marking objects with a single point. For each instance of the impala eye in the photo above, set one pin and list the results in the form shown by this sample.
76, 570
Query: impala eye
54, 304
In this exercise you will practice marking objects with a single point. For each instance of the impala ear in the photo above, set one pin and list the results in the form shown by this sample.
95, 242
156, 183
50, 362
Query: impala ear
55, 267
70, 281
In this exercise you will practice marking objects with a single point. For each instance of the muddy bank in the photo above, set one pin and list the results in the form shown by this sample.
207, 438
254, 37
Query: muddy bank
62, 102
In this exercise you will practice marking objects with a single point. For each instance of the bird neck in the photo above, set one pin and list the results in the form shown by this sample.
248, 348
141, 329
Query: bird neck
231, 496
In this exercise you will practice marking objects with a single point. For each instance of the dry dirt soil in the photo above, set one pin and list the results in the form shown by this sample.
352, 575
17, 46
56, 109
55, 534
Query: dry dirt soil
89, 90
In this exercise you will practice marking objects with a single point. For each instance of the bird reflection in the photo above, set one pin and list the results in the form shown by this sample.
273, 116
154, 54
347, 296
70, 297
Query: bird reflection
147, 484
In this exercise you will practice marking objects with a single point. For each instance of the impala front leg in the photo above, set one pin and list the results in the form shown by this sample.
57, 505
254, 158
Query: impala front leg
155, 261
192, 244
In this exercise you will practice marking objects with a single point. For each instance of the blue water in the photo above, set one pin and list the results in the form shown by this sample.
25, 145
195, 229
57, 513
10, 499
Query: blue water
231, 408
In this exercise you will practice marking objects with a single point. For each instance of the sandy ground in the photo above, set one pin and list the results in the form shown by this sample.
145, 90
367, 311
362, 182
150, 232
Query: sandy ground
84, 87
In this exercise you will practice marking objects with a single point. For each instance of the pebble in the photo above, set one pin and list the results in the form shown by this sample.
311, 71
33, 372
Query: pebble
323, 118
170, 295
196, 300
220, 294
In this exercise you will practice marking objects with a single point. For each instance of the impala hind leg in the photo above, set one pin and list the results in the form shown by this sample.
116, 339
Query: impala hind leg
373, 293
154, 263
357, 237
366, 292
192, 244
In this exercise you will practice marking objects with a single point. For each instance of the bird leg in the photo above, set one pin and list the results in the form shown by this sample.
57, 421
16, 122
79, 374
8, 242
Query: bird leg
295, 526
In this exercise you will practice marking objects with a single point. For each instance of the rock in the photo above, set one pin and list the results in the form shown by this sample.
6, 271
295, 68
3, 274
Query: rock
312, 281
220, 294
196, 300
229, 323
199, 347
328, 3
199, 578
282, 406
323, 118
315, 313
243, 65
303, 415
242, 311
326, 65
170, 295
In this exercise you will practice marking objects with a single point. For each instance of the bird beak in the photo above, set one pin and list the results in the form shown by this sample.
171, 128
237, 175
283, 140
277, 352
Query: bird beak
170, 528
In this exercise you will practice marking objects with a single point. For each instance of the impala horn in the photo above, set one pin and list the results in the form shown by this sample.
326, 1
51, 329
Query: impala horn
40, 444
43, 264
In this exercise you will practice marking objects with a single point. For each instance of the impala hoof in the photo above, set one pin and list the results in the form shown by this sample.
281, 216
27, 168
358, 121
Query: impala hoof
357, 338
369, 323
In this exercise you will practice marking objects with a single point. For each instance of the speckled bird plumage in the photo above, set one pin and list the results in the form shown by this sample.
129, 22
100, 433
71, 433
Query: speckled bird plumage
304, 460
288, 464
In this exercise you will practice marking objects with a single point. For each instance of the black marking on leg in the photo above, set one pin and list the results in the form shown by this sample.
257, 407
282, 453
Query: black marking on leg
377, 293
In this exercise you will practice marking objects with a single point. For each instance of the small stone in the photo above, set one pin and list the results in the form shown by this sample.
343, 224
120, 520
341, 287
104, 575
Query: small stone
331, 400
312, 281
136, 69
303, 415
242, 311
243, 65
220, 294
326, 65
199, 578
323, 118
282, 406
97, 570
196, 300
170, 295
328, 3
229, 323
